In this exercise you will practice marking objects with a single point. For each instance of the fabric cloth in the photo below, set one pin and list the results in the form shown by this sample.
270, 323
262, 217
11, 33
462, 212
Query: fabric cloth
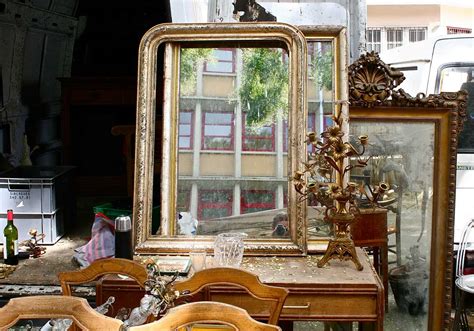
102, 242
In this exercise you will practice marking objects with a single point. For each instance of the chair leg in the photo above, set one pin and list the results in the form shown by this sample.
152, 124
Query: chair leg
460, 322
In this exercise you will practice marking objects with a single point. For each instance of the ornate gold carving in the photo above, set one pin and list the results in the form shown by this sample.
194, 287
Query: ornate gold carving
455, 100
336, 194
371, 81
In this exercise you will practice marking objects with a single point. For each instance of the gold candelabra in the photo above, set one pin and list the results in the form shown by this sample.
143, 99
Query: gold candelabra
329, 159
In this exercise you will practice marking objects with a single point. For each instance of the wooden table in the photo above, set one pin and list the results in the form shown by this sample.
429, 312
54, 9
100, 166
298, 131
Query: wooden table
337, 292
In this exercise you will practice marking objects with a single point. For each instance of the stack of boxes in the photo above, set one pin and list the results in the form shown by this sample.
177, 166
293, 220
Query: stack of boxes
41, 198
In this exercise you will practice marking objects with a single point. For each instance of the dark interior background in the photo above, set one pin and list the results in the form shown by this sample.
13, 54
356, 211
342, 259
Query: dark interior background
106, 54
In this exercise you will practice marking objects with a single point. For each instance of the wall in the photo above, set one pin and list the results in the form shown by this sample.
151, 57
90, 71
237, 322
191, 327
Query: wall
37, 41
402, 16
457, 17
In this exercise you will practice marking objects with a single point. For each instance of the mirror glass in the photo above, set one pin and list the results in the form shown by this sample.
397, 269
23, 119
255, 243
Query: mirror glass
233, 142
401, 154
320, 110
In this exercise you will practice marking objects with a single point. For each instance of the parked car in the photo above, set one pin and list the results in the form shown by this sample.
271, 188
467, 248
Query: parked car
445, 64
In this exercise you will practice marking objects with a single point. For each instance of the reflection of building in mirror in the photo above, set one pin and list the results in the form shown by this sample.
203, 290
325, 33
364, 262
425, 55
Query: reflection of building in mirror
233, 135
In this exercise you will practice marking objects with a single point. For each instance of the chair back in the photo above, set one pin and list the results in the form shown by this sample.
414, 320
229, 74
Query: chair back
242, 279
100, 268
463, 244
206, 312
56, 306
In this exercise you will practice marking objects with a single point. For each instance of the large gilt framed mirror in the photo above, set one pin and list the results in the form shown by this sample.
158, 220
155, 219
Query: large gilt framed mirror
412, 148
231, 130
327, 86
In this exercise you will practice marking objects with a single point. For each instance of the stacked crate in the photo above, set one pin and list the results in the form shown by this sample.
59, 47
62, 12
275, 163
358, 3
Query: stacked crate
40, 198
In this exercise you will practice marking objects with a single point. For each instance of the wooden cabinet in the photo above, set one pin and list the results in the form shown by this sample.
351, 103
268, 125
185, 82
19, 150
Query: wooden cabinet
370, 230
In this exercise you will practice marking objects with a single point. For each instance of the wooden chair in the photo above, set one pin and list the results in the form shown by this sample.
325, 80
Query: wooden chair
56, 306
242, 279
206, 312
100, 268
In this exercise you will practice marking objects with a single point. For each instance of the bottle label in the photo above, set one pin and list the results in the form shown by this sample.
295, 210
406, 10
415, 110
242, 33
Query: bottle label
7, 246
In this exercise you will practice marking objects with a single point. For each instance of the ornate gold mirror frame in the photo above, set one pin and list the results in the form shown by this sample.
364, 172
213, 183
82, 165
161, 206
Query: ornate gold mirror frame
336, 36
172, 37
416, 137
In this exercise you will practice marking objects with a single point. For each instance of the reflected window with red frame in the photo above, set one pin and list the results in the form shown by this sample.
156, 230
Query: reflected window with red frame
223, 61
252, 201
185, 132
218, 131
260, 138
214, 204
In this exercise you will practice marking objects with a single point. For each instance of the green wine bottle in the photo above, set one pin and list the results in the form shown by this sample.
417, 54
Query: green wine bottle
10, 247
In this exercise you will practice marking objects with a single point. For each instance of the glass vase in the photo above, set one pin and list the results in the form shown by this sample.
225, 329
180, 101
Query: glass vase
229, 249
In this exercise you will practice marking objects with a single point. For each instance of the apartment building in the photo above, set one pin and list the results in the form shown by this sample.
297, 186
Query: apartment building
396, 23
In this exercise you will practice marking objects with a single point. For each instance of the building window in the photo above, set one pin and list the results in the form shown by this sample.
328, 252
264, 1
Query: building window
374, 40
218, 133
223, 61
185, 140
252, 201
394, 38
258, 139
214, 204
454, 30
417, 34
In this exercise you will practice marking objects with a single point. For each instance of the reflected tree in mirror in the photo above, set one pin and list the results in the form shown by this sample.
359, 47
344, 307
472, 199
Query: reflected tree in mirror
191, 58
320, 64
264, 90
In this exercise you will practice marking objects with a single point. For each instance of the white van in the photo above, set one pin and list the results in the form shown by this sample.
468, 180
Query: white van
445, 64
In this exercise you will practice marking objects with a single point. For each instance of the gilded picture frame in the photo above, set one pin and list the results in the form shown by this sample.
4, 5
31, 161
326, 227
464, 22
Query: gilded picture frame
417, 137
172, 37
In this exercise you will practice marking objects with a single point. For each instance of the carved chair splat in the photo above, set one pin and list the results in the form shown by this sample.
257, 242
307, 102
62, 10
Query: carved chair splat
243, 279
206, 312
56, 306
100, 268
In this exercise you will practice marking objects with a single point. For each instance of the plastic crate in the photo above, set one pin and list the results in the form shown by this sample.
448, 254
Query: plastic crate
35, 190
51, 224
123, 208
115, 208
